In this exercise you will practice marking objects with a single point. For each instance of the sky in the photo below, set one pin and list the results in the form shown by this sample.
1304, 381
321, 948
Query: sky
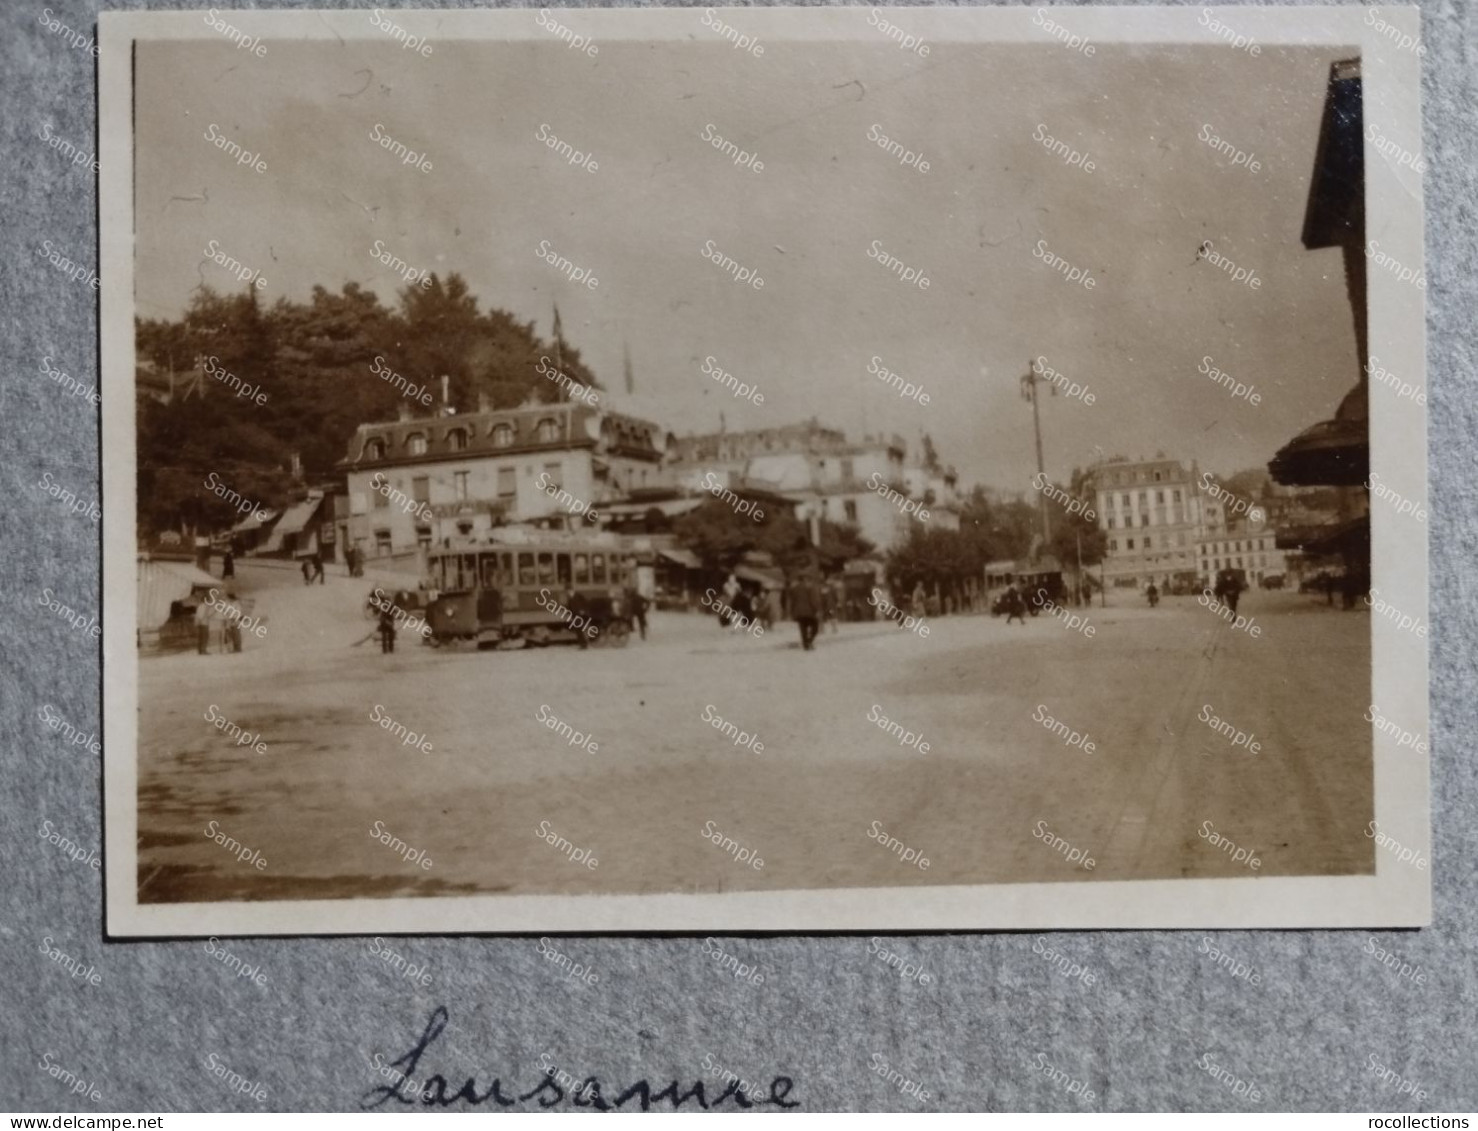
972, 224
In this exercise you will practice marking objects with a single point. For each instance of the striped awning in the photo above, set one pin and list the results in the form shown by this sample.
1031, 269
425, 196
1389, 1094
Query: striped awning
161, 584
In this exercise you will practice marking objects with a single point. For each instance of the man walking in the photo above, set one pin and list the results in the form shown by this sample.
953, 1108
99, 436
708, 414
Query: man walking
638, 606
317, 560
1015, 604
805, 606
387, 630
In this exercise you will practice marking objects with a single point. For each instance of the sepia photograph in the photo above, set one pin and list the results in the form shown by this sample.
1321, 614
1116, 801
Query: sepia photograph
775, 469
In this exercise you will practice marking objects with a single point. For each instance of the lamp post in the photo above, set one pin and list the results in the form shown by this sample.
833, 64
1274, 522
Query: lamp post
1029, 382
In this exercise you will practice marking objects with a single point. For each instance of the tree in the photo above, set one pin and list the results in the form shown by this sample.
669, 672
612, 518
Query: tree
321, 368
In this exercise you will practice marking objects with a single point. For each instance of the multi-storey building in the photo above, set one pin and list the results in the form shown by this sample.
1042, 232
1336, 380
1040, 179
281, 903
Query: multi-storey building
1151, 513
417, 480
1249, 546
822, 475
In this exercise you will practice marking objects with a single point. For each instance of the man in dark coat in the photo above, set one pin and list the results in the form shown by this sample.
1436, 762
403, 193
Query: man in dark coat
637, 605
1015, 604
581, 620
805, 606
387, 629
228, 565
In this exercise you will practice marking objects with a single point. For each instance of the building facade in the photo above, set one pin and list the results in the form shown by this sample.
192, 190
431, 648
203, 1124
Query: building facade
418, 480
1249, 546
822, 475
1151, 512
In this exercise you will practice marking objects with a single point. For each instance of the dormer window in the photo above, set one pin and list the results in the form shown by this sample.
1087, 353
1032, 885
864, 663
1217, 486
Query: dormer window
457, 439
374, 449
415, 443
548, 431
502, 436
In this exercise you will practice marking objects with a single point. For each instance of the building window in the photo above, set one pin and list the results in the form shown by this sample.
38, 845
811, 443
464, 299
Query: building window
502, 436
1130, 544
507, 482
1148, 541
1175, 495
459, 485
382, 542
374, 449
1114, 545
1110, 522
1157, 477
457, 438
382, 497
421, 489
548, 430
415, 443
555, 473
1144, 499
1159, 496
1124, 501
850, 506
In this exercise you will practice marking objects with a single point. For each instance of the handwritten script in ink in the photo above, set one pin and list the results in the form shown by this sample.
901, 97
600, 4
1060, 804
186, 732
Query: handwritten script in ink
412, 1085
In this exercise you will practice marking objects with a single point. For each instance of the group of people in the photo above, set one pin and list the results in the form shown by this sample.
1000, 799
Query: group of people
808, 600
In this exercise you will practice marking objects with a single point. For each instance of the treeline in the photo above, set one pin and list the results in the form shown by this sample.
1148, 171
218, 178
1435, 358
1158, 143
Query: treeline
949, 562
314, 363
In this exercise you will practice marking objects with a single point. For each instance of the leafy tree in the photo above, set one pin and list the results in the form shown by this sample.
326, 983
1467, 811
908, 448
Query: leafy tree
314, 362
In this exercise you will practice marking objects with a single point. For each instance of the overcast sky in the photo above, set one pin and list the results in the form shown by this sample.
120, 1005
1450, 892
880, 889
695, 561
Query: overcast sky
1135, 223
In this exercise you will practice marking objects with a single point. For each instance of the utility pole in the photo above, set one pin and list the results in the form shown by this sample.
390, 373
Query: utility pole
1029, 384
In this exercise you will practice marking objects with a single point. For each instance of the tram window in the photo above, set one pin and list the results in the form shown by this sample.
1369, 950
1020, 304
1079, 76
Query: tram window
562, 565
469, 572
598, 569
582, 569
546, 568
489, 564
526, 569
505, 569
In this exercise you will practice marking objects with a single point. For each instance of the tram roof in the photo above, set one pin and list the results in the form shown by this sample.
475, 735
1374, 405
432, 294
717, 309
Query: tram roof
540, 540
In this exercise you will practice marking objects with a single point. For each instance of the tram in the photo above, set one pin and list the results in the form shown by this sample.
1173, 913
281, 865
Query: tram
546, 590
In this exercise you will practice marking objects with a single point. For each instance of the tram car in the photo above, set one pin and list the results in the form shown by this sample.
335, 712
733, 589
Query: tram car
529, 594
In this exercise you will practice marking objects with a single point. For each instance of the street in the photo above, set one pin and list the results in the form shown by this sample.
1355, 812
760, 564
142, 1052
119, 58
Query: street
648, 759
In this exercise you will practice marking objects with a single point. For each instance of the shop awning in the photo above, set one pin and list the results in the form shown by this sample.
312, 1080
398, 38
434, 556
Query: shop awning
685, 558
161, 584
769, 578
293, 520
254, 521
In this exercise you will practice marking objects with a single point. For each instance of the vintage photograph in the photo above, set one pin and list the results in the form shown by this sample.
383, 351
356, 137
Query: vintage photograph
776, 469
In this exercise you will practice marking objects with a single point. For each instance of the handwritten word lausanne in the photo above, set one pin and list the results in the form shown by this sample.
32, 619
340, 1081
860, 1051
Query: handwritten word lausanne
436, 1090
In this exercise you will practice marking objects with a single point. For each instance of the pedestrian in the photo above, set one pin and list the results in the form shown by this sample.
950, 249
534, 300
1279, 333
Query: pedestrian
1015, 605
233, 634
317, 560
202, 628
743, 609
579, 609
805, 606
638, 605
307, 572
387, 630
917, 600
228, 565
